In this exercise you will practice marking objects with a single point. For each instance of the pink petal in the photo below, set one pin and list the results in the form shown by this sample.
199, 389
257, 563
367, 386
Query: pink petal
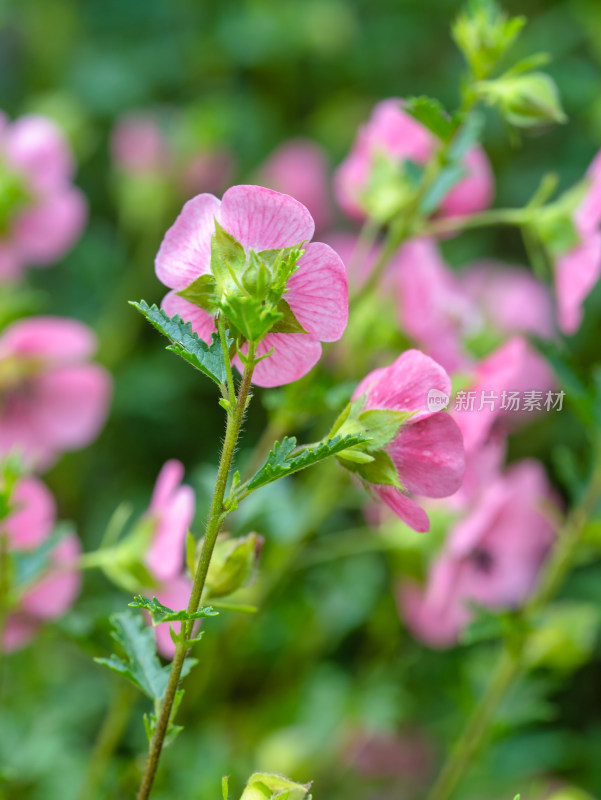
576, 273
474, 192
405, 384
168, 480
405, 508
165, 557
37, 146
35, 515
176, 595
202, 322
429, 457
185, 252
295, 354
72, 405
261, 219
138, 145
55, 594
19, 630
44, 232
10, 265
436, 626
318, 293
54, 339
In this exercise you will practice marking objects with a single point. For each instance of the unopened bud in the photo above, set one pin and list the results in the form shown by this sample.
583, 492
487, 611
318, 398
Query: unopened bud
267, 786
526, 101
232, 564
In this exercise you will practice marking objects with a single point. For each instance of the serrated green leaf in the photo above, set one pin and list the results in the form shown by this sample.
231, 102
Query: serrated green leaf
209, 359
161, 613
284, 459
142, 667
431, 114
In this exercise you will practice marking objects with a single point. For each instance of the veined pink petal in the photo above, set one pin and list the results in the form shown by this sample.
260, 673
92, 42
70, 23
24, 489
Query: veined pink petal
295, 354
71, 406
408, 381
261, 219
202, 322
174, 594
53, 339
165, 557
405, 508
185, 252
576, 273
45, 231
34, 516
429, 457
55, 594
37, 146
318, 293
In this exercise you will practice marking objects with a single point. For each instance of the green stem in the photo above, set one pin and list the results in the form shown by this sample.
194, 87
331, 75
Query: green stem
496, 216
217, 514
109, 736
231, 389
510, 666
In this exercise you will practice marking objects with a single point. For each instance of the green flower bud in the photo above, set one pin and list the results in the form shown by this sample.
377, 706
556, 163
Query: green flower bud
232, 564
267, 786
526, 101
483, 34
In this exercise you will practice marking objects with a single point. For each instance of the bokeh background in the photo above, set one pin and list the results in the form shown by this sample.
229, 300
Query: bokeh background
324, 683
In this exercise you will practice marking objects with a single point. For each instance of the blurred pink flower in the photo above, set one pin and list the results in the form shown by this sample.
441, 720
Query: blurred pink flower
171, 511
510, 298
206, 171
491, 558
427, 451
52, 593
299, 168
514, 367
138, 145
51, 399
395, 135
42, 213
433, 308
577, 271
260, 219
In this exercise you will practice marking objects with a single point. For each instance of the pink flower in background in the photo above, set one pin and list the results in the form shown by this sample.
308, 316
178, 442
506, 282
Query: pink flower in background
51, 399
42, 214
491, 558
171, 511
509, 298
206, 171
433, 308
577, 271
138, 145
54, 590
260, 219
427, 451
514, 367
396, 136
299, 168
359, 265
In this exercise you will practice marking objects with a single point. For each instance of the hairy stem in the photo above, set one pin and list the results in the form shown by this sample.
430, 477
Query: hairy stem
215, 519
510, 666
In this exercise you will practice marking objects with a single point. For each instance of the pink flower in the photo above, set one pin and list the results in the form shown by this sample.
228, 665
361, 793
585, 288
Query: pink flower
171, 511
492, 557
433, 308
427, 451
206, 171
260, 219
489, 403
52, 593
137, 144
44, 213
510, 299
51, 399
577, 271
394, 135
299, 168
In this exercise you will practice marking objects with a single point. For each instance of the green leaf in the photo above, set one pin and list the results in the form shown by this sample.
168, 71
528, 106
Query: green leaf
284, 459
142, 667
228, 260
288, 323
381, 425
29, 565
209, 359
161, 613
202, 292
380, 470
225, 790
252, 317
431, 114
